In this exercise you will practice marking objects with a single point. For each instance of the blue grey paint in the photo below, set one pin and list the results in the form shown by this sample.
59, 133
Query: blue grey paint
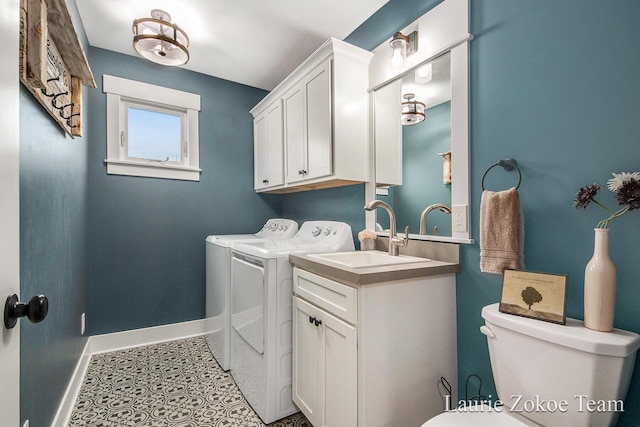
554, 85
147, 235
54, 261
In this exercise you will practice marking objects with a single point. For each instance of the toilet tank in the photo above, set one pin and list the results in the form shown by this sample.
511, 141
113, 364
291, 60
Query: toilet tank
559, 375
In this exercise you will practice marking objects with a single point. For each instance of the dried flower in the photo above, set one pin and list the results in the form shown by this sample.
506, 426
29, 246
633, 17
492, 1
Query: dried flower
629, 194
366, 235
626, 187
585, 195
619, 179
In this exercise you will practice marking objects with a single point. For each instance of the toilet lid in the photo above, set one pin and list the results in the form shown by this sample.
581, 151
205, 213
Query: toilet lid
474, 419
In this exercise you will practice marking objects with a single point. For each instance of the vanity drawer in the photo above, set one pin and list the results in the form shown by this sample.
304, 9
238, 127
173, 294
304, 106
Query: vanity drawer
336, 298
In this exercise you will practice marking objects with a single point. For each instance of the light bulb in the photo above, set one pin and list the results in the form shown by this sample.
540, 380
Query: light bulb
397, 59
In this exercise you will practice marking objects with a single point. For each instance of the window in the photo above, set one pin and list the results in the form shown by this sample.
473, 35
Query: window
151, 130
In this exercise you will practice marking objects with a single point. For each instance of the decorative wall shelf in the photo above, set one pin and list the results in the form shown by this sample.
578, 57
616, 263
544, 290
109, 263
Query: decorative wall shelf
53, 65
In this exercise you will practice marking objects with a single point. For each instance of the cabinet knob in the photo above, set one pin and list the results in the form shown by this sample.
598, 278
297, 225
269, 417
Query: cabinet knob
265, 181
315, 321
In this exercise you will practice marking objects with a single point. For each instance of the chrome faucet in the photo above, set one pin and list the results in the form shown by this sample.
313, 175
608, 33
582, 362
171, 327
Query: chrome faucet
394, 241
423, 216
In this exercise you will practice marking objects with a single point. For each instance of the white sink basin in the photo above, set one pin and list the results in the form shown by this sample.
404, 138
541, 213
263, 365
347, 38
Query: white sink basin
364, 259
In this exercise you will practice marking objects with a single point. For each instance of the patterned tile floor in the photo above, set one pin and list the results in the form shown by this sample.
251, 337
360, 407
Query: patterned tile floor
177, 384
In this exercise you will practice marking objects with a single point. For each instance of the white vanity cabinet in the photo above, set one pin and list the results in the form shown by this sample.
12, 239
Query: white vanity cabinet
325, 111
372, 355
325, 350
268, 147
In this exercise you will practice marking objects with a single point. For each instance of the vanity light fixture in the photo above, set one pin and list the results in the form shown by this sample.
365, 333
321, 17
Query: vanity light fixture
159, 40
412, 110
402, 46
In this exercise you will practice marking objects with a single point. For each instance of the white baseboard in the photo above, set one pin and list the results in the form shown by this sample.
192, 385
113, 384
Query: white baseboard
119, 341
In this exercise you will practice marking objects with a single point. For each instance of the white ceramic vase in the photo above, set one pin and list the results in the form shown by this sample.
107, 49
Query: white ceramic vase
600, 285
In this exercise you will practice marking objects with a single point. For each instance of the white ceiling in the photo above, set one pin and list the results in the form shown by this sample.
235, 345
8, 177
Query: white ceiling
253, 42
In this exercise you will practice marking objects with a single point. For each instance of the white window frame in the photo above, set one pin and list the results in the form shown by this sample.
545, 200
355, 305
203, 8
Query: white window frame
122, 93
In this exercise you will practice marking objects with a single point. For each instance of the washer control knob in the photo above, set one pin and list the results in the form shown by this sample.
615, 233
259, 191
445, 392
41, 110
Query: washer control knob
316, 231
326, 231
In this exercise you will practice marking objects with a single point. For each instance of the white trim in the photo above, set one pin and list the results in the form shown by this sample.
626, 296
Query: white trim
122, 93
97, 344
153, 170
63, 415
149, 92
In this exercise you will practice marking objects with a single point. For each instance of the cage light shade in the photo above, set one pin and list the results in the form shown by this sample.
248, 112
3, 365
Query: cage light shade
412, 110
398, 46
159, 40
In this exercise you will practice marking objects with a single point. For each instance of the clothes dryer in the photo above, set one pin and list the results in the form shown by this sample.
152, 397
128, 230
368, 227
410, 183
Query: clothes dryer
261, 313
218, 281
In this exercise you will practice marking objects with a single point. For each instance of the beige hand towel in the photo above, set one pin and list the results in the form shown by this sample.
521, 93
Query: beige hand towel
501, 231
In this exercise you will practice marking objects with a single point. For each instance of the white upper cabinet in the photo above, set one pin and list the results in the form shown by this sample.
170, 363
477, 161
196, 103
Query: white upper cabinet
268, 147
308, 126
325, 122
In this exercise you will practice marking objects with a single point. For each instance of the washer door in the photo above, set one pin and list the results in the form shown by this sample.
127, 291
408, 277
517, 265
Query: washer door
247, 301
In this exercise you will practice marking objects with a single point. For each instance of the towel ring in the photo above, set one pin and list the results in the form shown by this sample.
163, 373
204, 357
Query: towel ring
508, 165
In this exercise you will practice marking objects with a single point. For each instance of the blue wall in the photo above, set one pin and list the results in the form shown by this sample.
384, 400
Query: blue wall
554, 85
54, 208
422, 172
147, 235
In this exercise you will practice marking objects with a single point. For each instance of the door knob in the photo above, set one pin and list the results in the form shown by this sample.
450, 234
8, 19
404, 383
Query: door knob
35, 310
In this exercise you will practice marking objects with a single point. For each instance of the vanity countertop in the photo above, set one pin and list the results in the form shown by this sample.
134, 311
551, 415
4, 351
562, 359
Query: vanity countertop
367, 275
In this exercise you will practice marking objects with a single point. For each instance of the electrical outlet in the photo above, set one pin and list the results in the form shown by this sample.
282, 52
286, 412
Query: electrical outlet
460, 222
82, 324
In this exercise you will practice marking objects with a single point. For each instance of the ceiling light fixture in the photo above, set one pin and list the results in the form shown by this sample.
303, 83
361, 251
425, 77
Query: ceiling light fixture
412, 110
159, 40
402, 46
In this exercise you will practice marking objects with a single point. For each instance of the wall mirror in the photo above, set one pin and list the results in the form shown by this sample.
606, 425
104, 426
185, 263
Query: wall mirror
412, 129
421, 168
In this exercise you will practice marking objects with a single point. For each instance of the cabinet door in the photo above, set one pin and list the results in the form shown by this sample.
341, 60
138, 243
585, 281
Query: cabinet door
276, 144
319, 130
324, 367
294, 133
307, 363
340, 373
268, 148
260, 151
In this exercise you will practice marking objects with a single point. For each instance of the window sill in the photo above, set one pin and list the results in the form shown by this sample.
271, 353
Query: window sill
152, 170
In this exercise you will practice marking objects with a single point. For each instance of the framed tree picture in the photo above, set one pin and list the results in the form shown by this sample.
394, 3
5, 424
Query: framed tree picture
541, 296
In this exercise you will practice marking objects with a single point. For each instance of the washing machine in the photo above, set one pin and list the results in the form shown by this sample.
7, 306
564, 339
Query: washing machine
218, 281
261, 313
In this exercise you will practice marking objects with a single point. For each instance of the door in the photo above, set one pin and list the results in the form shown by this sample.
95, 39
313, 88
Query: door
247, 301
294, 134
307, 361
268, 147
319, 131
9, 209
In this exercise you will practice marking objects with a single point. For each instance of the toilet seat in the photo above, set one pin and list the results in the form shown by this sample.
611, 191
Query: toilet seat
474, 419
